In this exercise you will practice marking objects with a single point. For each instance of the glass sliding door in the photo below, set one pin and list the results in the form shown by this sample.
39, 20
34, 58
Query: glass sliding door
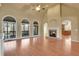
9, 28
25, 28
35, 28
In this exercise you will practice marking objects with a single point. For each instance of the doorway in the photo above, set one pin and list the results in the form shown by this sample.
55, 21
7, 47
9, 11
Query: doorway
66, 28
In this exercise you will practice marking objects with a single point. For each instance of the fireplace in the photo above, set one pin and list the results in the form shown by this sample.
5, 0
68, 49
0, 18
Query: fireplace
52, 33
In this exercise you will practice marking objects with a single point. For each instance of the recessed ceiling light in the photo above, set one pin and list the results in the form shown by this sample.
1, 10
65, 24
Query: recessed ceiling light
37, 8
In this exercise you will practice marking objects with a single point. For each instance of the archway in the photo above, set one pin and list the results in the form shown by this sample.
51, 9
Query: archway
66, 27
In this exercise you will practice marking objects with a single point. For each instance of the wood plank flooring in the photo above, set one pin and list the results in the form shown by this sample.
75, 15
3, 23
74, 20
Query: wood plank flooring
42, 47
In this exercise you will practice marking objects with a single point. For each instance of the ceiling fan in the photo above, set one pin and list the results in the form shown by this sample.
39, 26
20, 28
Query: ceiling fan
38, 8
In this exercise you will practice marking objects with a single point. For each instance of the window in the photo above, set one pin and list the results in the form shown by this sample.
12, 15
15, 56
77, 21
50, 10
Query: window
9, 27
35, 28
25, 28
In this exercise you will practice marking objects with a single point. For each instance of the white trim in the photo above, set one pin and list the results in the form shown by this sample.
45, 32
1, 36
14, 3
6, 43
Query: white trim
10, 39
35, 36
74, 40
16, 24
54, 37
21, 38
24, 37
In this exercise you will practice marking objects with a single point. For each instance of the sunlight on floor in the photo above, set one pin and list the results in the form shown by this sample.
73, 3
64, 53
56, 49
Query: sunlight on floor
67, 45
25, 43
10, 45
45, 43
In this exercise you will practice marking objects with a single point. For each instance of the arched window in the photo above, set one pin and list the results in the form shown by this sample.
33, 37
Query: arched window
35, 28
9, 27
25, 28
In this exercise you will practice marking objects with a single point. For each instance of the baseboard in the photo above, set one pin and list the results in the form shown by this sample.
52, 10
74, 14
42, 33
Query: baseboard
54, 38
35, 36
22, 38
74, 40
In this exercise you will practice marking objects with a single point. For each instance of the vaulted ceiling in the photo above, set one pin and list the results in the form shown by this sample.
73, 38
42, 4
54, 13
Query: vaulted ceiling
33, 5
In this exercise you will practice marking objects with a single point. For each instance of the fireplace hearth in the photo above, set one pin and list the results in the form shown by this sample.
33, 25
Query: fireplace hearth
52, 33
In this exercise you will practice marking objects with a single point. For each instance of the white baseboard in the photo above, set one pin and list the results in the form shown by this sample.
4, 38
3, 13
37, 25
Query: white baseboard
74, 40
35, 36
22, 37
55, 37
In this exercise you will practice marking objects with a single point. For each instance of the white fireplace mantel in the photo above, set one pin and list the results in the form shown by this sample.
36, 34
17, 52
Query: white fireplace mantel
58, 32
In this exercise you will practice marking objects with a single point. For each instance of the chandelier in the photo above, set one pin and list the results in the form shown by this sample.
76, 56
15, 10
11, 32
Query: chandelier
38, 8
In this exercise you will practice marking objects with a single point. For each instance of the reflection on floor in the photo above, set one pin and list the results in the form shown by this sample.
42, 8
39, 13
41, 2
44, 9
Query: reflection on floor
41, 47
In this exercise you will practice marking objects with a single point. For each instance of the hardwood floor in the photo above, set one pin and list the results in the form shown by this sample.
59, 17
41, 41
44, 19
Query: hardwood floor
42, 47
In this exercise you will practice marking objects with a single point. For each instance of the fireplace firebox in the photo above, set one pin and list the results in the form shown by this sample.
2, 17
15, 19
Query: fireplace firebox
52, 33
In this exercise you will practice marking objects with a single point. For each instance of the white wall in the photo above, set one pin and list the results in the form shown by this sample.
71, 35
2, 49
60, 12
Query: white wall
54, 19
